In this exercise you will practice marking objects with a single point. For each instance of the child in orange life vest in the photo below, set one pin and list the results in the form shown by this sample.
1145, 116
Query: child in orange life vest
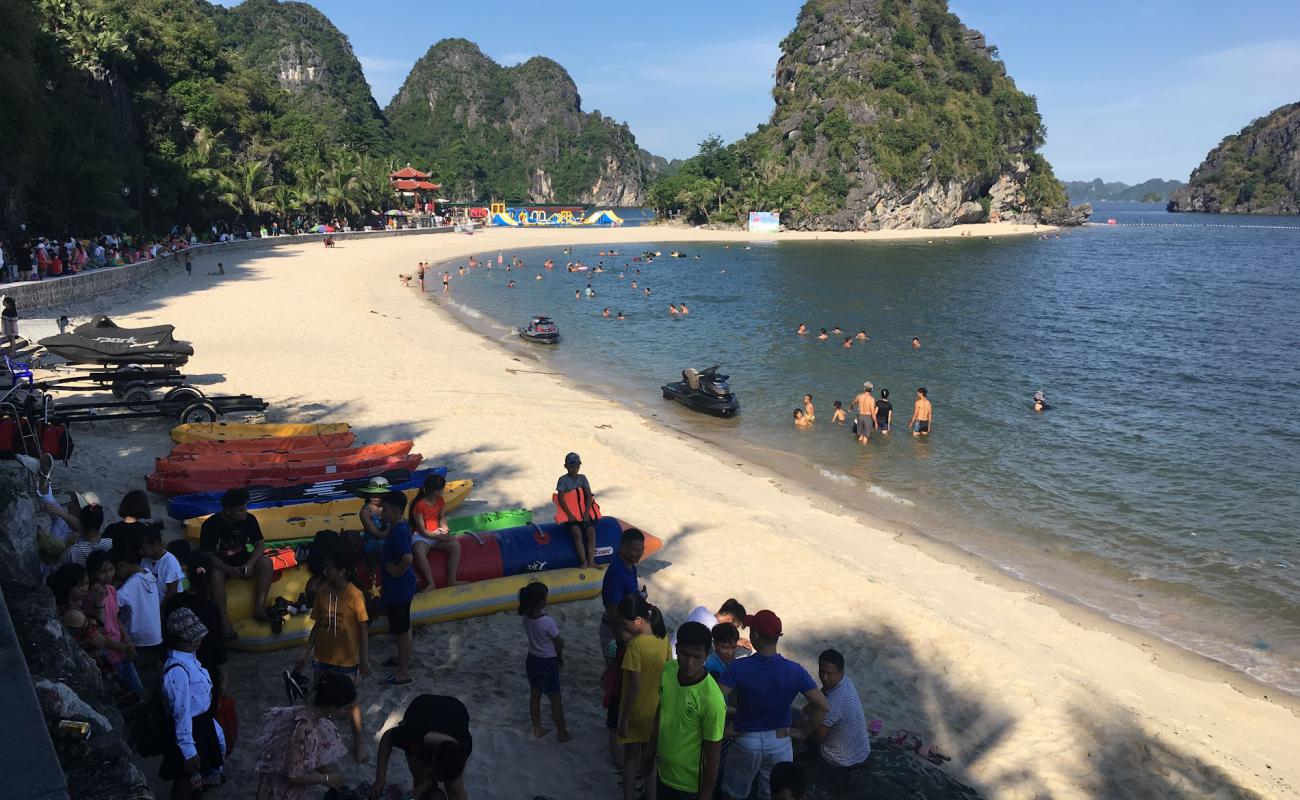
577, 509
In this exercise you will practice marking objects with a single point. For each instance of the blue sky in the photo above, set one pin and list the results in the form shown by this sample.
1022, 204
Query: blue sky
1128, 90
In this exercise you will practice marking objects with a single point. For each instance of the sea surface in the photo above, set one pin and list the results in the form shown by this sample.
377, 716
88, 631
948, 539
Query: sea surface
1162, 488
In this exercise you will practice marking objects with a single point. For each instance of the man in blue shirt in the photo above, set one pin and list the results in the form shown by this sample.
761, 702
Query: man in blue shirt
398, 581
620, 581
763, 686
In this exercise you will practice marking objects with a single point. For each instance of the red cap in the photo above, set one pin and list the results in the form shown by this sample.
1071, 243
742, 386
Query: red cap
765, 622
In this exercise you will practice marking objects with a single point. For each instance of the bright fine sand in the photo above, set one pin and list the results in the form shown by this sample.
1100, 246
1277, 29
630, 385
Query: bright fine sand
1031, 697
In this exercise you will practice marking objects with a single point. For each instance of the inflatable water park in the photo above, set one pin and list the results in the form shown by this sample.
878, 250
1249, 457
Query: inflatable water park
548, 216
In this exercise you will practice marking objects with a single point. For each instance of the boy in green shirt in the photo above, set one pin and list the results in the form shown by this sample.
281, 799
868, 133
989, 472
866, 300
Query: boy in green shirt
692, 713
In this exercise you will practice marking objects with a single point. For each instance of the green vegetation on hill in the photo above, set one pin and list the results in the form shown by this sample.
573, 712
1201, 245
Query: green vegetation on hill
511, 133
1256, 171
1154, 190
877, 102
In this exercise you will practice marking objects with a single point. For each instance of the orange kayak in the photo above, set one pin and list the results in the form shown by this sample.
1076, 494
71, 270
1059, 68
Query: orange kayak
341, 459
267, 444
272, 475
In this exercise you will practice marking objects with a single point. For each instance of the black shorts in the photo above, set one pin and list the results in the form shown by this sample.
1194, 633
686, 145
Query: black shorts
238, 559
666, 792
399, 617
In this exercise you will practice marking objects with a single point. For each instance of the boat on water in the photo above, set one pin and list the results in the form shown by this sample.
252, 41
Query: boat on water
704, 391
541, 330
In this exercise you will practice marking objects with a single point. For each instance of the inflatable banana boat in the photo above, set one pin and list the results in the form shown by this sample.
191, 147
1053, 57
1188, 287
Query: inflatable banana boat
494, 565
220, 431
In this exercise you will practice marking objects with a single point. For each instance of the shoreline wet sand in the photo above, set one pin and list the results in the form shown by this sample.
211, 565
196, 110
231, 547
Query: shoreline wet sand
1030, 696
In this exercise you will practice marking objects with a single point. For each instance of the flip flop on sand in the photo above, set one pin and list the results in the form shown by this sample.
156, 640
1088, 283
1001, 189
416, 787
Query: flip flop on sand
392, 680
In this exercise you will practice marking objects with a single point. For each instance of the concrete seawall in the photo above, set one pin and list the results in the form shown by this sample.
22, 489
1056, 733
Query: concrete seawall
68, 289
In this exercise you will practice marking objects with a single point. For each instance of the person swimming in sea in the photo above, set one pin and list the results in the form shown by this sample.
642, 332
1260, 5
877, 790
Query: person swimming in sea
838, 416
510, 285
605, 313
848, 342
620, 315
633, 284
672, 310
916, 342
684, 309
1040, 401
836, 329
802, 330
862, 336
590, 291
577, 294
801, 419
809, 411
647, 291
823, 336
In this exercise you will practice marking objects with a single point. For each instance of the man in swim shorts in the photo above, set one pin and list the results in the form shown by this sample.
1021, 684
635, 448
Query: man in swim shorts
922, 414
864, 405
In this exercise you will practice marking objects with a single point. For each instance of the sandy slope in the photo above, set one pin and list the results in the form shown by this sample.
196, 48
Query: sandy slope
1032, 699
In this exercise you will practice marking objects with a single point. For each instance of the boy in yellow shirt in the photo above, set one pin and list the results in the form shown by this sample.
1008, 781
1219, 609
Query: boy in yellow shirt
339, 638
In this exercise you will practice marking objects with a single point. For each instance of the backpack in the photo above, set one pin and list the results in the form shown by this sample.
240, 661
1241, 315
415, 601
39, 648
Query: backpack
152, 728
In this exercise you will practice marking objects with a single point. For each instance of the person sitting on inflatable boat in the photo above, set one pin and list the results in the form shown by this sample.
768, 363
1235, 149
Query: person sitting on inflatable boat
576, 507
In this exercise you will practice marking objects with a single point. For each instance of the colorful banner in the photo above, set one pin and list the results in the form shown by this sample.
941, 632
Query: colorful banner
764, 221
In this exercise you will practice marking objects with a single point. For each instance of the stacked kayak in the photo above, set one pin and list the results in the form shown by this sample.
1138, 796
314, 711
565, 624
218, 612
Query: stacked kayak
198, 504
227, 431
495, 565
301, 520
297, 458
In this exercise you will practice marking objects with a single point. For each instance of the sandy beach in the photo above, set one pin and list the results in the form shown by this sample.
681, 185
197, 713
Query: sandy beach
1030, 696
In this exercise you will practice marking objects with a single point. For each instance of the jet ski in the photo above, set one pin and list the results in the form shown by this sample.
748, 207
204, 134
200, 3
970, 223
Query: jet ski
704, 391
102, 341
541, 330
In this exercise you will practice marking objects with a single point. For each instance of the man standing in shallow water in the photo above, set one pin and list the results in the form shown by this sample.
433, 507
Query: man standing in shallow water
922, 413
864, 405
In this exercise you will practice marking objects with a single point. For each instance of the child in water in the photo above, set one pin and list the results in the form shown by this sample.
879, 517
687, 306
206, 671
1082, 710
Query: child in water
800, 420
838, 415
823, 336
808, 410
848, 342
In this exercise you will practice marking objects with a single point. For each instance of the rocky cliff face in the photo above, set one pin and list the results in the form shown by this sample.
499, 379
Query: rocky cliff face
512, 133
1256, 171
895, 115
300, 49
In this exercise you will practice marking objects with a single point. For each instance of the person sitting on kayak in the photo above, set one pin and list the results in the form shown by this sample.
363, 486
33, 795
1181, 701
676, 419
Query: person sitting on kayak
235, 538
429, 522
577, 509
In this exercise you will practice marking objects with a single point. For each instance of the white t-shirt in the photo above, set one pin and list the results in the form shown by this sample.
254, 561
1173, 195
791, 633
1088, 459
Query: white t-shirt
139, 597
541, 633
166, 570
698, 614
847, 743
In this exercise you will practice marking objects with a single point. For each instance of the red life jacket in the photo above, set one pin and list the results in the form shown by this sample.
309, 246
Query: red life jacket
569, 506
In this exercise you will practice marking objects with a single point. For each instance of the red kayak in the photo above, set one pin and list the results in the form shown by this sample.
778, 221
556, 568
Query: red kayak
215, 480
356, 457
268, 444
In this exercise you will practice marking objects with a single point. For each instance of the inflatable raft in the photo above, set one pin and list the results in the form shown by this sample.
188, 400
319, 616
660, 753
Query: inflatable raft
222, 431
495, 566
195, 479
322, 459
303, 520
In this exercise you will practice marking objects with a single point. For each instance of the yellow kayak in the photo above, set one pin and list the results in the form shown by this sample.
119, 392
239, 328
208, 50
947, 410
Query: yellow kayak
301, 520
441, 605
221, 431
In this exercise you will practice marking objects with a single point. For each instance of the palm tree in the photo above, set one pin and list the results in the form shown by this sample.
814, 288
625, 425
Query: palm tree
245, 189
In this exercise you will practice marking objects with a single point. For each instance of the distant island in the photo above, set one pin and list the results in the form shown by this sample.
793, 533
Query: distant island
1255, 171
1155, 190
889, 114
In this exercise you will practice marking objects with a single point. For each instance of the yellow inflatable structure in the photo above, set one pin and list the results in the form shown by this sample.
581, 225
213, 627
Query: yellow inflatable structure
222, 431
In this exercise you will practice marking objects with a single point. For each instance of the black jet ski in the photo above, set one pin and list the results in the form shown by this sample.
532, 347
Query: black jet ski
102, 341
541, 330
704, 391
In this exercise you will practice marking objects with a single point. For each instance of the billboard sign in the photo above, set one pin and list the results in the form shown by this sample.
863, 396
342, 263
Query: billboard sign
764, 221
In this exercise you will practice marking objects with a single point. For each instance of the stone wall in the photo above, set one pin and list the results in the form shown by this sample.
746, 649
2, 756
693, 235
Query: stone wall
66, 681
54, 292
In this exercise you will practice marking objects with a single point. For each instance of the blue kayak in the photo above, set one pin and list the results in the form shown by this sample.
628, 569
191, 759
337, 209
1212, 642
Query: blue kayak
185, 506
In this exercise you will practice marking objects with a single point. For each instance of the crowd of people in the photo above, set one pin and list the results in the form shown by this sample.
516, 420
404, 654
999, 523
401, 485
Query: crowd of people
704, 712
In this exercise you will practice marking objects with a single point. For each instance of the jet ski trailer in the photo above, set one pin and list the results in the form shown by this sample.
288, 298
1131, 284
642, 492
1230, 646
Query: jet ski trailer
704, 391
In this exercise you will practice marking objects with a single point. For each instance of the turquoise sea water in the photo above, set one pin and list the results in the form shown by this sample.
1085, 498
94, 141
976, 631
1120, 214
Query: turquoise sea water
1162, 486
